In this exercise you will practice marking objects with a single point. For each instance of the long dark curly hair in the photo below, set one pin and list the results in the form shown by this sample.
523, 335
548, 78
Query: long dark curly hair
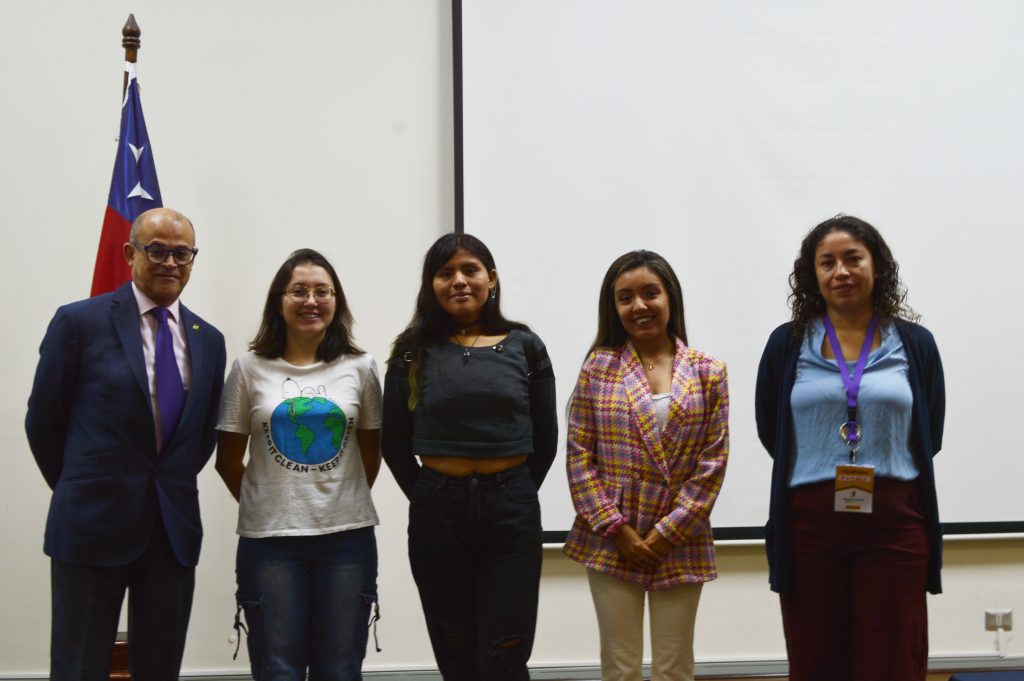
889, 295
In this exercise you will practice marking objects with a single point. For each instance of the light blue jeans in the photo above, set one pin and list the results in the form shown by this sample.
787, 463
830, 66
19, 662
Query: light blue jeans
307, 603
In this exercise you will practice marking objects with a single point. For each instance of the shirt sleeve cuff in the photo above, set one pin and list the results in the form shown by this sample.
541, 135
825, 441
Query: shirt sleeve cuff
615, 526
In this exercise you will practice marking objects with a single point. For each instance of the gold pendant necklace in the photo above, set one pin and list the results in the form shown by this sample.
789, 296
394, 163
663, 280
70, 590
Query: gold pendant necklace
650, 365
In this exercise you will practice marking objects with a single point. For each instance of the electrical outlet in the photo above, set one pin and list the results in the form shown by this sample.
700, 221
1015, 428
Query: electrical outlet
999, 619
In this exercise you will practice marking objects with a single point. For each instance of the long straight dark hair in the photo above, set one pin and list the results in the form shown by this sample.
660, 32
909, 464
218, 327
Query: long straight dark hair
610, 332
272, 337
430, 323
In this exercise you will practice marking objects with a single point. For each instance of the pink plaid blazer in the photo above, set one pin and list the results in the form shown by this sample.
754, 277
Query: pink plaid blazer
623, 467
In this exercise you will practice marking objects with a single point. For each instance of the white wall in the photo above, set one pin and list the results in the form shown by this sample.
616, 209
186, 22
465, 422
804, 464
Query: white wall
277, 125
274, 126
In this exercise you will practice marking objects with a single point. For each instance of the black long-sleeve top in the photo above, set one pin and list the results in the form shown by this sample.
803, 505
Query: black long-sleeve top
496, 401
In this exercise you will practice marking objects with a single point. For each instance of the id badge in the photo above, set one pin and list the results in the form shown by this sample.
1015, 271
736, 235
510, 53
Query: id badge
855, 487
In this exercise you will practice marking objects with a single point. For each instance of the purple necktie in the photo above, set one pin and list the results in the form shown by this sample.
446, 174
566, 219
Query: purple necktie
170, 393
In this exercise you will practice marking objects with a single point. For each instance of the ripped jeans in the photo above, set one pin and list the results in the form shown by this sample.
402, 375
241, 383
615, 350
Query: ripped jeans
475, 551
307, 603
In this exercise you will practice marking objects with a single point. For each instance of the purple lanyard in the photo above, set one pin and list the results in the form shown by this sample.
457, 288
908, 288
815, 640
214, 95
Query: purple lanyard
850, 430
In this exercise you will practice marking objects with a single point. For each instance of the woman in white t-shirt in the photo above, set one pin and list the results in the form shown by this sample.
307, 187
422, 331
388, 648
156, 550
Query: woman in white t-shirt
306, 400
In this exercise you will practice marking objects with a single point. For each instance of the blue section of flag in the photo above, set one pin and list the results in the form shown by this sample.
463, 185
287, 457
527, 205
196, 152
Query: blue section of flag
131, 176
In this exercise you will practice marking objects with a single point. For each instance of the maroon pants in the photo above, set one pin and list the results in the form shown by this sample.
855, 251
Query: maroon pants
858, 610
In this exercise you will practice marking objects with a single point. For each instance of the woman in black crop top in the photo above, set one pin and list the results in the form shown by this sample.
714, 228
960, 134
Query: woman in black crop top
473, 395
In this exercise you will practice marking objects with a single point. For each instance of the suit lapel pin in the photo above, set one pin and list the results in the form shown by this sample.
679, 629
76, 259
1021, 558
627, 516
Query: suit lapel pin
195, 327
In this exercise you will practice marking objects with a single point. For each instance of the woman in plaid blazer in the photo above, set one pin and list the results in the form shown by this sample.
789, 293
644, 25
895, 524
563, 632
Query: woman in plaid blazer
647, 447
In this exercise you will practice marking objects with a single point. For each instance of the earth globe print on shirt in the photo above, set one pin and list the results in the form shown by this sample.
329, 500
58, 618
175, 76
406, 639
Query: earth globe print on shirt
308, 428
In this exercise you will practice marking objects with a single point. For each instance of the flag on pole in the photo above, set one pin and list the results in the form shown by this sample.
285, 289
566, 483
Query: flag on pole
133, 190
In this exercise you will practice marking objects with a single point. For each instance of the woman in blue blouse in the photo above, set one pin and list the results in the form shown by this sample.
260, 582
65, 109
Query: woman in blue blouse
850, 403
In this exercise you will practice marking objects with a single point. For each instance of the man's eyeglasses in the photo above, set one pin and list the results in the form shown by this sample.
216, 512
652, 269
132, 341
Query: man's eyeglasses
300, 293
157, 253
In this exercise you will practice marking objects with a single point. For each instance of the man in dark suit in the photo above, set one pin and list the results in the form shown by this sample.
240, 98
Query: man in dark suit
120, 421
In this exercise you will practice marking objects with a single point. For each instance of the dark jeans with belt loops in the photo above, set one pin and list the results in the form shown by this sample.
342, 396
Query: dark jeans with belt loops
307, 602
475, 551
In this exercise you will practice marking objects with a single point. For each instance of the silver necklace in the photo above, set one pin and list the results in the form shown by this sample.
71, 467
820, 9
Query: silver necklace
465, 354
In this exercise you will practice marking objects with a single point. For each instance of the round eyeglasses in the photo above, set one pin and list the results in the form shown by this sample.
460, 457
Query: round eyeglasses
157, 253
301, 294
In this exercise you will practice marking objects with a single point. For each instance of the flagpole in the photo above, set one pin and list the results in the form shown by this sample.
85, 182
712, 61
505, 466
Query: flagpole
130, 34
134, 188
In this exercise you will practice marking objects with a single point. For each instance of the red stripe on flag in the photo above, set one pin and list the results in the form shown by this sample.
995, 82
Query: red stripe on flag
111, 268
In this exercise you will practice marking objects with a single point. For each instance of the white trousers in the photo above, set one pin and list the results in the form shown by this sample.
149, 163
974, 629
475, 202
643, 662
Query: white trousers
620, 619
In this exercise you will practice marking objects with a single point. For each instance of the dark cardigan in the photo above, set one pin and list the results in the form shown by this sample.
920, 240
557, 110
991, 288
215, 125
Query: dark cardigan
775, 377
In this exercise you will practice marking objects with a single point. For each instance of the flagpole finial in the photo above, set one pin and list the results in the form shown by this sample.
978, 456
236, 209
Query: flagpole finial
130, 34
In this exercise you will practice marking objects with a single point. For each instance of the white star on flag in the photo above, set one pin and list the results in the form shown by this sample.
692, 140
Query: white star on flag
139, 191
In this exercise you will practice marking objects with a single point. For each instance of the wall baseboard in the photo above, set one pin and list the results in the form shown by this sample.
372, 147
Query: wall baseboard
706, 669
